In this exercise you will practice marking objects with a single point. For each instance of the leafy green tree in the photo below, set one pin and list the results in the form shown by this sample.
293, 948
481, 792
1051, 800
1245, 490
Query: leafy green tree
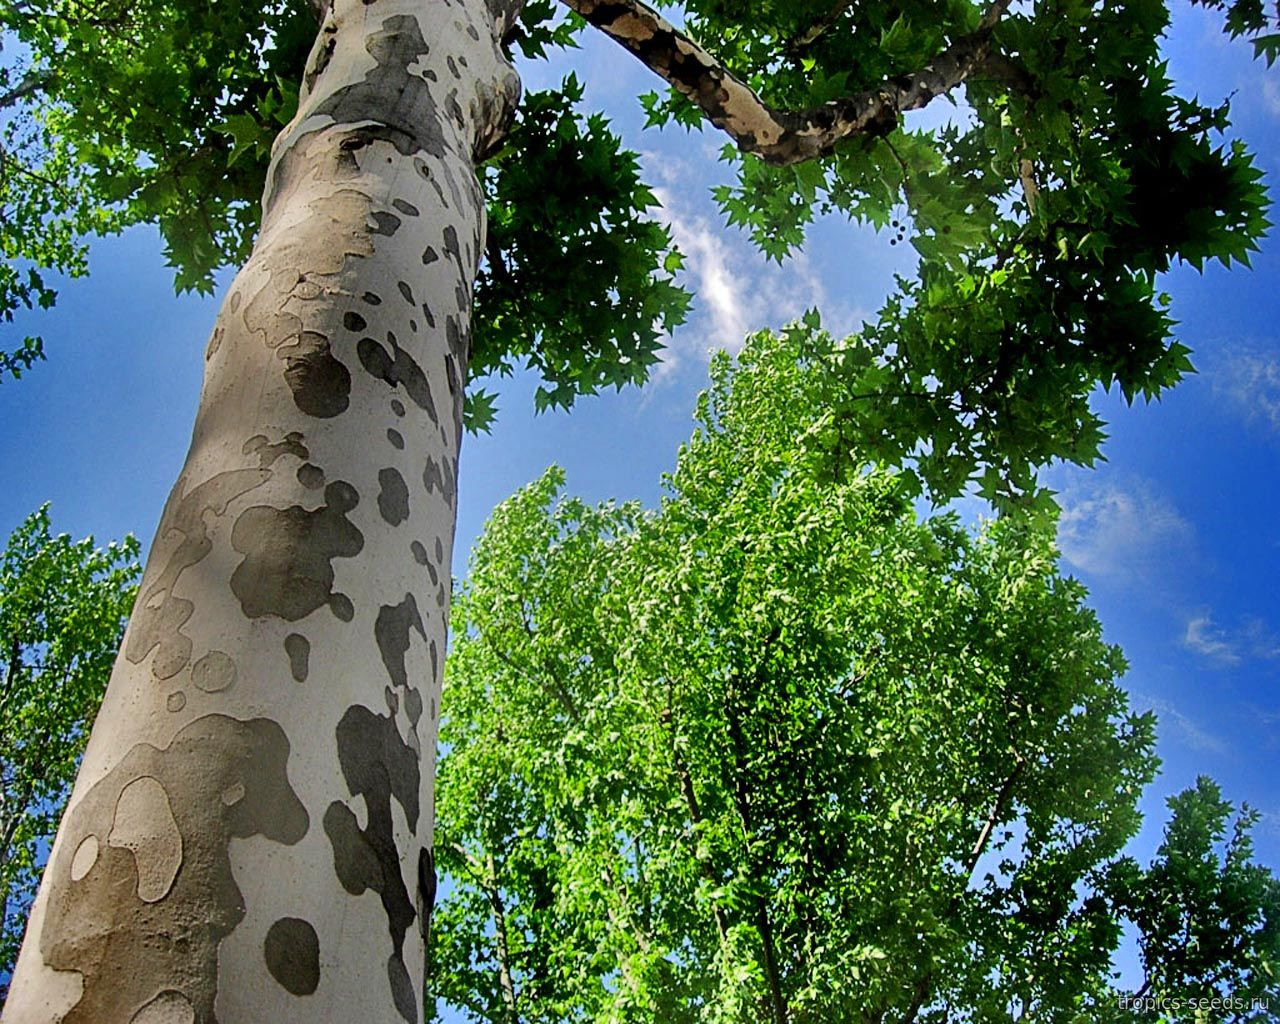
780, 751
410, 185
63, 606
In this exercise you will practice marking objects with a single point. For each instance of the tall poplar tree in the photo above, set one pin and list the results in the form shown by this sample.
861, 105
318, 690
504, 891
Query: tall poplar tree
250, 835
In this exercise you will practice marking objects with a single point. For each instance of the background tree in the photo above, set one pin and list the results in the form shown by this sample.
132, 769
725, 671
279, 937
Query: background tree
295, 550
63, 606
780, 751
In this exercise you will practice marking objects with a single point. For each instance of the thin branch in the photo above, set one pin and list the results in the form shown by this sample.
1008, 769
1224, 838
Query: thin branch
32, 82
820, 27
781, 136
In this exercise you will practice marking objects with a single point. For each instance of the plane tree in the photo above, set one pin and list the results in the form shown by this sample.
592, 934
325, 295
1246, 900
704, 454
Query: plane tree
258, 786
781, 751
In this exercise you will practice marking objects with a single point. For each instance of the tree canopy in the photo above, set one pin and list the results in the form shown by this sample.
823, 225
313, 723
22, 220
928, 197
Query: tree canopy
63, 606
1042, 214
781, 751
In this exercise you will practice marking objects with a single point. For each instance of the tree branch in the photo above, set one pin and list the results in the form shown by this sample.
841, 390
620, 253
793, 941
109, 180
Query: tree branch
781, 136
32, 81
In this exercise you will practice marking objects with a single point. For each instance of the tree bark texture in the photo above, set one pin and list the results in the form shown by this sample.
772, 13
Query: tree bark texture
249, 838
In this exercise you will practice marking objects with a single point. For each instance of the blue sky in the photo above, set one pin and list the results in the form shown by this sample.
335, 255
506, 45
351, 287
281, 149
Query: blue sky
1176, 535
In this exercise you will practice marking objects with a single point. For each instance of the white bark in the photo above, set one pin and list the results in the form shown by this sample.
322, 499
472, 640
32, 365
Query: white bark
249, 837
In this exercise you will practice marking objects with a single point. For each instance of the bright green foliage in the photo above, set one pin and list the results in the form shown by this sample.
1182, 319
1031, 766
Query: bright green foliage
63, 606
781, 751
1209, 918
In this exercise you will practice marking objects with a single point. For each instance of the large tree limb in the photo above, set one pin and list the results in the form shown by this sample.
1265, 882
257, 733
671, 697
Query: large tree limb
781, 136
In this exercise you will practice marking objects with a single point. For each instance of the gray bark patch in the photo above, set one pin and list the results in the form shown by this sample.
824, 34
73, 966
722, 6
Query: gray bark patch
354, 321
311, 476
396, 439
390, 94
292, 953
419, 552
399, 369
377, 765
298, 648
99, 922
384, 223
287, 569
406, 293
391, 631
321, 385
393, 496
405, 207
182, 541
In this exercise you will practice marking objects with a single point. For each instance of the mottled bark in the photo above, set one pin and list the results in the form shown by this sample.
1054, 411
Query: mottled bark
246, 839
781, 136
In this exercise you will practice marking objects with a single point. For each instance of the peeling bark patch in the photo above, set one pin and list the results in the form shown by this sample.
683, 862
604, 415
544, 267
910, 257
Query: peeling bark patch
86, 856
393, 496
391, 630
396, 439
159, 616
298, 647
311, 476
214, 673
377, 765
398, 368
155, 808
169, 1007
321, 385
176, 701
290, 444
144, 825
287, 569
411, 113
292, 952
384, 223
342, 607
437, 476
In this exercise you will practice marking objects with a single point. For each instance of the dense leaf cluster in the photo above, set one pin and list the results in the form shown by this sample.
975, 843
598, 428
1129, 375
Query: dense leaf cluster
63, 606
780, 751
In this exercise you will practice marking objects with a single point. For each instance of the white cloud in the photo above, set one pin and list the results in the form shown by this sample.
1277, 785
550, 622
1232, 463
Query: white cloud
736, 291
1122, 533
1250, 380
1203, 637
1250, 639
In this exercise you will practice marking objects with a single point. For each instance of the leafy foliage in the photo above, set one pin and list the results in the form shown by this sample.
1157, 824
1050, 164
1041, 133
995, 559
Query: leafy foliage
780, 751
63, 606
164, 111
1042, 214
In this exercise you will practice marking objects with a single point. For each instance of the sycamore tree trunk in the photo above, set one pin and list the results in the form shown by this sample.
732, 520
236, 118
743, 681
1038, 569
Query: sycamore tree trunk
249, 840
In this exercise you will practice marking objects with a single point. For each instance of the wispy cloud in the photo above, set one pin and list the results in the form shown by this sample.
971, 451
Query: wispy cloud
1181, 727
1121, 532
1250, 639
1203, 637
735, 290
1271, 95
1249, 379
